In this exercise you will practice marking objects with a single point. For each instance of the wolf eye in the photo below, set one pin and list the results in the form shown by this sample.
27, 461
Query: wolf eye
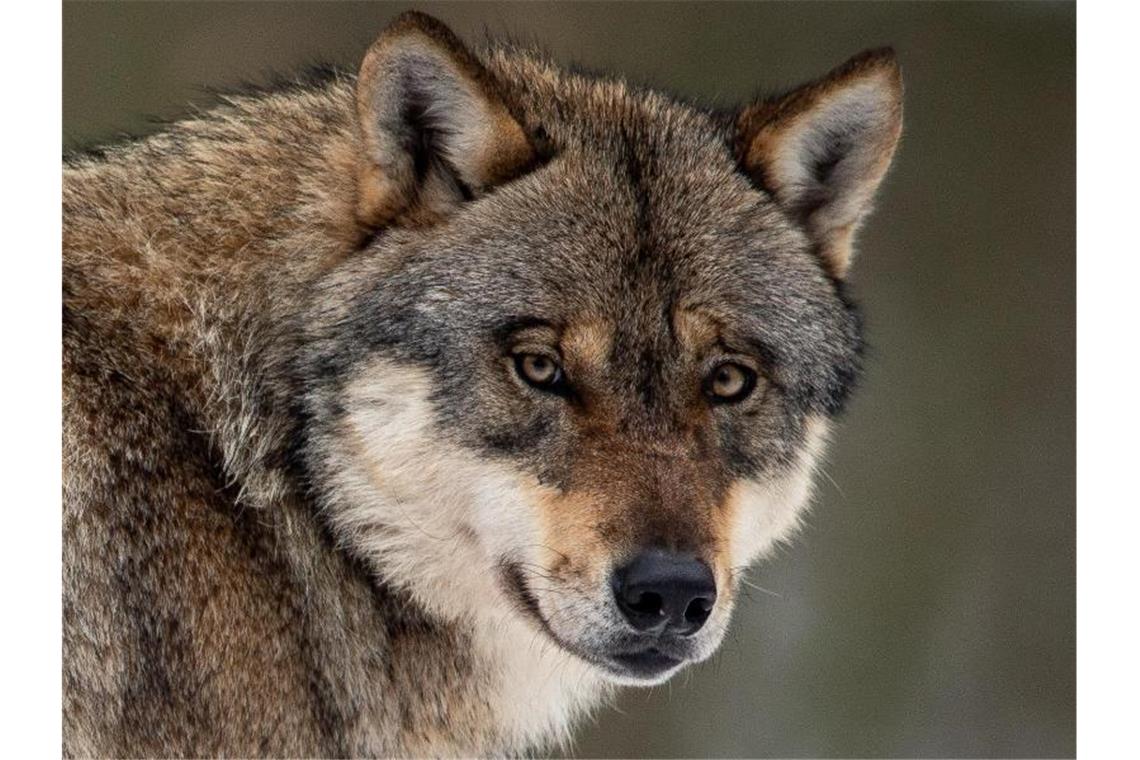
539, 370
730, 382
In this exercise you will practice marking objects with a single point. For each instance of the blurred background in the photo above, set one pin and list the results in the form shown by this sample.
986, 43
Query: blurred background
929, 607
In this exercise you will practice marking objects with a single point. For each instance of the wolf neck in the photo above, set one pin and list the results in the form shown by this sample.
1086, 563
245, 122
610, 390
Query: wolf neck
541, 691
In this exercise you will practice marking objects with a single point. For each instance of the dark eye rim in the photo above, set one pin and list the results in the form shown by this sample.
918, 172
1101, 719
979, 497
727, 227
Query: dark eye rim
556, 385
751, 380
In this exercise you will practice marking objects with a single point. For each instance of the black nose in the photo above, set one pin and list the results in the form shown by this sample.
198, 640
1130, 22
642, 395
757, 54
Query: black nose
663, 591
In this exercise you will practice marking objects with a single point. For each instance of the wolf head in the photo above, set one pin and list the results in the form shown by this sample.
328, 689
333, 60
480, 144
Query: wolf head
579, 375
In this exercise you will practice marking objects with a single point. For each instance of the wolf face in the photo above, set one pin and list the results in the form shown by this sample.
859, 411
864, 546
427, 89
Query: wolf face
579, 377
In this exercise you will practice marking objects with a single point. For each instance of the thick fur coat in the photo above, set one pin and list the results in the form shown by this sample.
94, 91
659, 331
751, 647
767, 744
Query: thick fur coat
324, 494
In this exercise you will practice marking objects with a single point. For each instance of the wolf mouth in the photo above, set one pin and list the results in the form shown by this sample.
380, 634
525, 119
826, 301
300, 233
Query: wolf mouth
647, 662
513, 580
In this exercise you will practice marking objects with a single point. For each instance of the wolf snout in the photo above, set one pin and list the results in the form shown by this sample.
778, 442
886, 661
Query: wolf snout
662, 592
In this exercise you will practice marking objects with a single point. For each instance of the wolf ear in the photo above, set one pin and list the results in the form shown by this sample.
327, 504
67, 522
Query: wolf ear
434, 132
822, 149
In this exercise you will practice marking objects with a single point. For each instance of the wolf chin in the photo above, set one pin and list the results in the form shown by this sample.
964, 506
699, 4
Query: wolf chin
407, 412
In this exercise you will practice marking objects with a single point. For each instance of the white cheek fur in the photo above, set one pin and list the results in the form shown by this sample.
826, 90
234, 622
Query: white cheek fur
771, 511
435, 520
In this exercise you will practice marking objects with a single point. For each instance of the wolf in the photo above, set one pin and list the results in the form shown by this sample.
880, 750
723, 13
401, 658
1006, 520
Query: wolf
410, 411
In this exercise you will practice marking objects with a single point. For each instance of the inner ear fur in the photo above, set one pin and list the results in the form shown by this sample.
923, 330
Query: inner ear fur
434, 131
823, 149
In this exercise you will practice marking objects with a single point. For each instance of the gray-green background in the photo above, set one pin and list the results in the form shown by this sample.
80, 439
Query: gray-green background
929, 608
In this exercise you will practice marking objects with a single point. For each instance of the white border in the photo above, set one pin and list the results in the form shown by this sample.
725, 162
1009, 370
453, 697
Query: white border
30, 552
1108, 378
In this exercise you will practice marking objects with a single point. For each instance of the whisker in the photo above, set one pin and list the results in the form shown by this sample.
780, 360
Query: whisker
761, 589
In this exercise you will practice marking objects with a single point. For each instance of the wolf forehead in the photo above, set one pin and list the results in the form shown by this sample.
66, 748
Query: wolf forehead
636, 210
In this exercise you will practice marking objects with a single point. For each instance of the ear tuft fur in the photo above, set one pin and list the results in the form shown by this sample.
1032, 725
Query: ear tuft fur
434, 130
823, 149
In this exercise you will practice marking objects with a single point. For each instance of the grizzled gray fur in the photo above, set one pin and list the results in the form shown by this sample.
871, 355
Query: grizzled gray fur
380, 387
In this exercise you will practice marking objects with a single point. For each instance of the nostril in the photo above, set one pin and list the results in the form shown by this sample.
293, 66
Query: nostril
698, 611
647, 603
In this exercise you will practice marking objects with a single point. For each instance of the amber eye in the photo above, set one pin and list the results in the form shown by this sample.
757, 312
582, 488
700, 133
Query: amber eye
539, 370
730, 382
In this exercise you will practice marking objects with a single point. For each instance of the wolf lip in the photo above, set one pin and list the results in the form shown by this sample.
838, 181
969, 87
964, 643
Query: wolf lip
646, 663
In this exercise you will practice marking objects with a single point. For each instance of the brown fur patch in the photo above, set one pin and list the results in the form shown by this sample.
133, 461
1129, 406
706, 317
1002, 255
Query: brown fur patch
588, 342
624, 499
696, 330
571, 544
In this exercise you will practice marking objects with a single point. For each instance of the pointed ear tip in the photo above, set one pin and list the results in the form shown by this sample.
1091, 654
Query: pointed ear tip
414, 21
414, 27
881, 61
884, 55
414, 24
